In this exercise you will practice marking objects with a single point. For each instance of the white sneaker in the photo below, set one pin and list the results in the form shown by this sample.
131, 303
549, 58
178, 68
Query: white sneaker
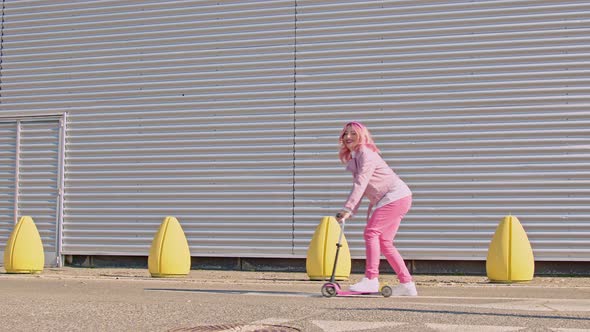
366, 286
407, 289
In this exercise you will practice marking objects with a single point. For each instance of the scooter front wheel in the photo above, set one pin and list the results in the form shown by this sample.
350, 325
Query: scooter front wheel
386, 291
328, 290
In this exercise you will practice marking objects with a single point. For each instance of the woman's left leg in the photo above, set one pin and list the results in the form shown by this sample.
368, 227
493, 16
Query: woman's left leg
379, 235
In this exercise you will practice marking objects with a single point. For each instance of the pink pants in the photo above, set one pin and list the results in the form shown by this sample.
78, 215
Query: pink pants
379, 233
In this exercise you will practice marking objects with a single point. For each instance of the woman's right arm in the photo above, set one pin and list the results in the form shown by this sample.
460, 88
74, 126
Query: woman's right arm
365, 169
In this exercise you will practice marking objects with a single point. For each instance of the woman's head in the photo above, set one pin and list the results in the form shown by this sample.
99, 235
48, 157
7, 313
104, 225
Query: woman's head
353, 136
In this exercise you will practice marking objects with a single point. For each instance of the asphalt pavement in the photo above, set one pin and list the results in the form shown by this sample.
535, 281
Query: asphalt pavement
100, 299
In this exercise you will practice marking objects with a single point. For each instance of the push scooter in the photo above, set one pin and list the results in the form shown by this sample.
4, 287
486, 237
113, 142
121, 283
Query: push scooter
332, 288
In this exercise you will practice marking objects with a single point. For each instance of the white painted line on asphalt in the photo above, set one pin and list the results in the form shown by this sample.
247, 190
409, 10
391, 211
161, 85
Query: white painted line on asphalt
495, 298
282, 294
502, 286
524, 305
540, 305
478, 328
514, 303
569, 305
527, 304
344, 326
271, 321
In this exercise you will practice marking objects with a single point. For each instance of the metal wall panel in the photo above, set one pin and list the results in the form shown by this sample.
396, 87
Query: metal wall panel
38, 180
182, 108
480, 106
7, 182
226, 115
29, 181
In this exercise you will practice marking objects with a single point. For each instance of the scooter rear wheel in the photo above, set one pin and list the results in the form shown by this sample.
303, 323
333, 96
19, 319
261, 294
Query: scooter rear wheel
328, 290
386, 291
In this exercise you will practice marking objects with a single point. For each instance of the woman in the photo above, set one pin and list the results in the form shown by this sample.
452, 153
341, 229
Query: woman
388, 195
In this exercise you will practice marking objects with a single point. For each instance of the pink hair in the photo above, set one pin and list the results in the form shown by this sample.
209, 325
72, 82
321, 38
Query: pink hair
364, 136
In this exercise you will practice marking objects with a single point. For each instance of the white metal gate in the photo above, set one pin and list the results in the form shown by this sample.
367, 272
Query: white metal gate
30, 179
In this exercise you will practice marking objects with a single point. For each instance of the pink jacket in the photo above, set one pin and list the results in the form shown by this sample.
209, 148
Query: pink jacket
373, 178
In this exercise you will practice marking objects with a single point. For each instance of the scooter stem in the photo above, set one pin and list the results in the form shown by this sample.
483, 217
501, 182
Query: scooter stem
338, 245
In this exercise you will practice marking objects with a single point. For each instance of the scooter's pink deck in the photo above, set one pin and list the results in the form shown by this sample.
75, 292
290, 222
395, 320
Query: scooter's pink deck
351, 293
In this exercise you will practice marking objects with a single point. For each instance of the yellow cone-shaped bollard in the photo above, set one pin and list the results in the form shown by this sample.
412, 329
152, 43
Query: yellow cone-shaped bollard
24, 250
510, 256
322, 252
169, 255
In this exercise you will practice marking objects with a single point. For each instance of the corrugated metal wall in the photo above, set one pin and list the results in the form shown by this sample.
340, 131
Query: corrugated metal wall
181, 108
480, 106
226, 115
7, 181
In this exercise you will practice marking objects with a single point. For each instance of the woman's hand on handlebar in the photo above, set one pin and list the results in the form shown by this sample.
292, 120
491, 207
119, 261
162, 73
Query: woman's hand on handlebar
342, 215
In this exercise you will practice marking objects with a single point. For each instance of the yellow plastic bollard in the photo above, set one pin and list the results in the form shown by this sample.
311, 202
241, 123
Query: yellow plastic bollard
169, 255
24, 250
322, 252
510, 256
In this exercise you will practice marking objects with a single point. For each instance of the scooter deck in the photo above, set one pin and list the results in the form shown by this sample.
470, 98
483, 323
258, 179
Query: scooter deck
352, 293
332, 289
